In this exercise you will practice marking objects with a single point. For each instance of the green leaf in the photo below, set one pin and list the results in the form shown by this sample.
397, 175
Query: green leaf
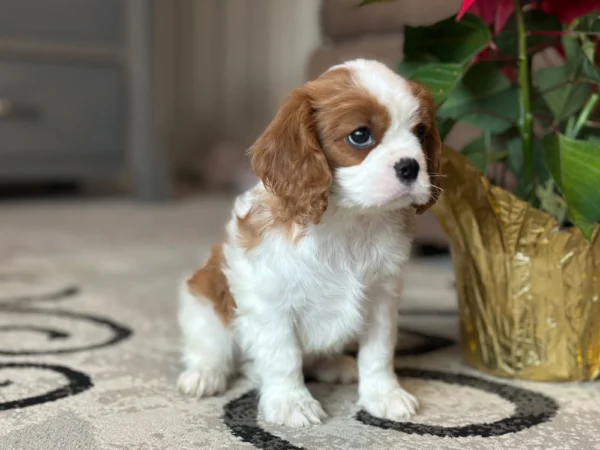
515, 164
407, 68
540, 107
477, 152
588, 46
535, 20
575, 168
589, 70
565, 100
482, 153
444, 126
440, 79
484, 98
496, 114
515, 157
563, 96
590, 23
483, 80
540, 171
585, 225
448, 41
436, 55
577, 63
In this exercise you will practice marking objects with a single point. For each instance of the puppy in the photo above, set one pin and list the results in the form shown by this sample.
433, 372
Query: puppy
313, 254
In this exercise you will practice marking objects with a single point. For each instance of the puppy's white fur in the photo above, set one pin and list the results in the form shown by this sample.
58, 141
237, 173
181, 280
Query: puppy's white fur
300, 300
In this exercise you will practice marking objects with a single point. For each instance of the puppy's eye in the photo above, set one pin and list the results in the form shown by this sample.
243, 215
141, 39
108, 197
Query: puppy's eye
360, 138
421, 132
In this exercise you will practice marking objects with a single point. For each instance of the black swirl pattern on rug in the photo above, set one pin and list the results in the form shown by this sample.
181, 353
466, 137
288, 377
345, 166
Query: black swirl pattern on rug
31, 279
240, 416
531, 408
117, 332
61, 294
51, 333
77, 382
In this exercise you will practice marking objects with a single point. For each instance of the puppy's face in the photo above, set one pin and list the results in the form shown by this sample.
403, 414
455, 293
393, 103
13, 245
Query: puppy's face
359, 133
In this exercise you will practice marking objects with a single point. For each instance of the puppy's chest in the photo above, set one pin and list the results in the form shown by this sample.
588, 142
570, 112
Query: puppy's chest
338, 266
336, 285
324, 279
358, 256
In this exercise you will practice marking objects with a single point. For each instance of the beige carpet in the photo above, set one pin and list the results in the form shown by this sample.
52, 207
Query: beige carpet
89, 350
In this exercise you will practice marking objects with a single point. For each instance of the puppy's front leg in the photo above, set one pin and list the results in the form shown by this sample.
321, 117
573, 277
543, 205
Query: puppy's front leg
277, 358
380, 393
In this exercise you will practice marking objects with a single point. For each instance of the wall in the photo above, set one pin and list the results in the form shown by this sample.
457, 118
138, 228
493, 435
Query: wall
225, 65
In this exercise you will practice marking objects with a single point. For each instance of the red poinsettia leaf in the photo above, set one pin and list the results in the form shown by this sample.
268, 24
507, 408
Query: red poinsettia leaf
504, 10
464, 8
567, 11
492, 12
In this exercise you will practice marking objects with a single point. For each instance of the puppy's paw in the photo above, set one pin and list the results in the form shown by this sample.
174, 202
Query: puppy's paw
294, 408
338, 369
197, 383
394, 404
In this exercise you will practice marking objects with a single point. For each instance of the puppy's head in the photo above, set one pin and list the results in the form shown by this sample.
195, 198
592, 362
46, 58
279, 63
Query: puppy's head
359, 133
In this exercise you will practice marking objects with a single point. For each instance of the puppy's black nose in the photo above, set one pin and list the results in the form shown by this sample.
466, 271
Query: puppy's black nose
407, 170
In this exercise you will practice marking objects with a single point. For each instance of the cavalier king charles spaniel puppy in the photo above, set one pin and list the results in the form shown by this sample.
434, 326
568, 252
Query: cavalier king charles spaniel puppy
313, 254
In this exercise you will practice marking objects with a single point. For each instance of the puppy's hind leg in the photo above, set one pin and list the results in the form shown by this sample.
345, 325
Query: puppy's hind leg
208, 346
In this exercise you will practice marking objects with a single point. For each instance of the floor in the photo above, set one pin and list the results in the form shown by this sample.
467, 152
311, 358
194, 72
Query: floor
89, 349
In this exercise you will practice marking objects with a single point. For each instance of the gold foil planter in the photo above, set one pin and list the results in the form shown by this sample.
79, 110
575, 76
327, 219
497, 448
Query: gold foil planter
529, 294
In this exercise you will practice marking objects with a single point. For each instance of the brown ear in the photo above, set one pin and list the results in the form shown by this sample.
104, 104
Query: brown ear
289, 161
433, 150
432, 147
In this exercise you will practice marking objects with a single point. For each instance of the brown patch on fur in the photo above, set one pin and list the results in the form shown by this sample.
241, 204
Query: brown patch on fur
209, 282
250, 232
342, 106
267, 213
307, 139
432, 145
288, 159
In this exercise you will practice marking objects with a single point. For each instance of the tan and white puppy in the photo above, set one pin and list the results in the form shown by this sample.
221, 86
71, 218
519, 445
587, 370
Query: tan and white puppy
313, 254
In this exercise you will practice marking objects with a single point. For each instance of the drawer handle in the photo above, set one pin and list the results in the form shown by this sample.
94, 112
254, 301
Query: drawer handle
17, 111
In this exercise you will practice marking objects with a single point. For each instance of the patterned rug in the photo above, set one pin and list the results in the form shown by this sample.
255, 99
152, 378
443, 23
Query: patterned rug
89, 353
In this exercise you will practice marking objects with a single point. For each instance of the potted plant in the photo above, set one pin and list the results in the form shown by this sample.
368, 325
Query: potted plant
527, 262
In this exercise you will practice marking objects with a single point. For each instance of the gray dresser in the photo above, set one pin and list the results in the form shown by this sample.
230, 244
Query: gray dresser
76, 93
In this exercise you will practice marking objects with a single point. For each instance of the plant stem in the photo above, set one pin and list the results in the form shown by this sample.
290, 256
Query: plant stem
526, 116
585, 114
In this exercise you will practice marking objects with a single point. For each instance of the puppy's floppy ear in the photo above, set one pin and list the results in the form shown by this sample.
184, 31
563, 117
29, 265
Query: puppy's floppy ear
432, 146
433, 150
289, 160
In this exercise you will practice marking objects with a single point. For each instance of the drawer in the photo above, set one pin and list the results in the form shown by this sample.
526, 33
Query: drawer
60, 109
91, 21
